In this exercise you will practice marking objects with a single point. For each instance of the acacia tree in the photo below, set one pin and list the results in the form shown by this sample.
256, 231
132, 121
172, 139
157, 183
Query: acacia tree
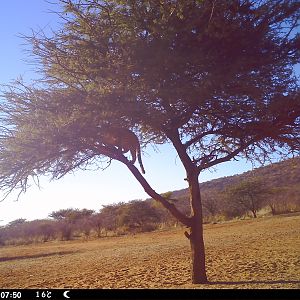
137, 214
212, 78
210, 202
249, 195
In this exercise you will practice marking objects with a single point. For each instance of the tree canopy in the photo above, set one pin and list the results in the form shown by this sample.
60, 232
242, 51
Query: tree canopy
215, 77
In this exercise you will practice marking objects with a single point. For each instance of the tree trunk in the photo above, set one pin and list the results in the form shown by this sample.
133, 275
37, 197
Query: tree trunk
273, 210
253, 209
194, 222
196, 234
198, 253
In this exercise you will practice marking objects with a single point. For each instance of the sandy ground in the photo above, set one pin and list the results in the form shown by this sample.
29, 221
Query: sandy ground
262, 253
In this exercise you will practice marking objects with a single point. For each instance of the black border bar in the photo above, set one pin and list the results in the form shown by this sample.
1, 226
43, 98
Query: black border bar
140, 294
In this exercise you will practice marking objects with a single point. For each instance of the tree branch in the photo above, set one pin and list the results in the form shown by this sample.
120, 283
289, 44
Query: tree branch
225, 158
198, 137
173, 136
148, 189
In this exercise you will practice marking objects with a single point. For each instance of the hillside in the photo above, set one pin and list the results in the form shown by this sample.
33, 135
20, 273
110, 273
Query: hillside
283, 173
284, 176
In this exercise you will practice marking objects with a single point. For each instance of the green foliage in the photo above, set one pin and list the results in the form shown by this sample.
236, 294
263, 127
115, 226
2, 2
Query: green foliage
167, 195
28, 232
214, 79
71, 215
137, 214
71, 219
109, 215
61, 214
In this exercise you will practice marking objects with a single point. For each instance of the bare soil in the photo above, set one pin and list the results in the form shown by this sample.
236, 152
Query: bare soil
261, 253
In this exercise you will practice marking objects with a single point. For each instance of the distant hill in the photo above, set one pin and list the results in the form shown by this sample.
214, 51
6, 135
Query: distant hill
281, 174
284, 174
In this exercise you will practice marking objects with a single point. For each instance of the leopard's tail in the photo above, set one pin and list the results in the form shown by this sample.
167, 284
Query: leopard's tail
140, 160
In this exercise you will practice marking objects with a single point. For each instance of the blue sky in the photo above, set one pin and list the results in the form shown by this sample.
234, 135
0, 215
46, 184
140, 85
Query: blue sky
84, 189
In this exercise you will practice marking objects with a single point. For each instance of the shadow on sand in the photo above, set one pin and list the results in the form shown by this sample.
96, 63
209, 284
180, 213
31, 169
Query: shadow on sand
2, 259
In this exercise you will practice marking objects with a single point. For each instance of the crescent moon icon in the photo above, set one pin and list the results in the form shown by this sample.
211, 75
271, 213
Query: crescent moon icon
66, 294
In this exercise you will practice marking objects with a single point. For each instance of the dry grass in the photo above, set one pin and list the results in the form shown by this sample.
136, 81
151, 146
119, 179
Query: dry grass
261, 253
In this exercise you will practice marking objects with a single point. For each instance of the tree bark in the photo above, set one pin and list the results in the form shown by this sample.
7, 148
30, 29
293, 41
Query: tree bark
196, 233
198, 267
197, 254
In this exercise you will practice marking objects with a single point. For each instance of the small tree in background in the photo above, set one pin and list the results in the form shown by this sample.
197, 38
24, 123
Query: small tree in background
97, 223
72, 219
109, 215
210, 202
214, 79
284, 199
247, 196
138, 215
63, 224
46, 229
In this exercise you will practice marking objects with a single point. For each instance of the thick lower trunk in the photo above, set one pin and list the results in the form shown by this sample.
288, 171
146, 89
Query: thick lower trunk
196, 234
198, 253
